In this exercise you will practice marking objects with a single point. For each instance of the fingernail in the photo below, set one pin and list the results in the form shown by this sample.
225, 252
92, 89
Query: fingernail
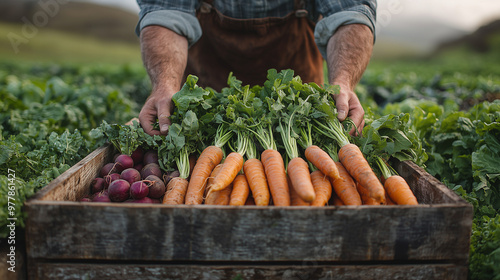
341, 115
164, 128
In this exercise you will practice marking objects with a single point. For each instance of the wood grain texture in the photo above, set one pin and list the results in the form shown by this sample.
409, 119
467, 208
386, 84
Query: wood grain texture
70, 271
68, 230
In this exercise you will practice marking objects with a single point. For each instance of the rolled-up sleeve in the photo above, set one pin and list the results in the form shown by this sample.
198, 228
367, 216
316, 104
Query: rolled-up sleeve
338, 13
178, 16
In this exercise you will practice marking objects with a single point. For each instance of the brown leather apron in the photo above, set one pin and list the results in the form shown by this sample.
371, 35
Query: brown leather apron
249, 47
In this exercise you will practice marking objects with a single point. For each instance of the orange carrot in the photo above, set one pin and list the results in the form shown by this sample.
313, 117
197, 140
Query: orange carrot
232, 165
209, 158
176, 191
353, 160
219, 197
321, 160
345, 188
276, 176
295, 199
337, 201
365, 195
388, 200
240, 191
301, 179
230, 168
399, 191
322, 188
256, 177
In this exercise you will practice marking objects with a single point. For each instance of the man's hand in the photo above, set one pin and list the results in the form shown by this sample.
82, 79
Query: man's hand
157, 106
164, 54
348, 53
348, 105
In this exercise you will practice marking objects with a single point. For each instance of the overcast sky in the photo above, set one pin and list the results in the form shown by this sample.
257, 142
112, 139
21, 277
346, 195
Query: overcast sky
462, 14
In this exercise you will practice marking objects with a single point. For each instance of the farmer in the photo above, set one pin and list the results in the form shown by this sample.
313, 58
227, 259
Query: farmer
210, 39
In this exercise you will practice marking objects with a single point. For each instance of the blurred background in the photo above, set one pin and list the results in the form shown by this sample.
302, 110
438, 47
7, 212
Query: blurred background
103, 31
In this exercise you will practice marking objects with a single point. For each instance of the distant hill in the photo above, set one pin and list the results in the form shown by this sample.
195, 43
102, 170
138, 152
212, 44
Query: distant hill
483, 40
78, 18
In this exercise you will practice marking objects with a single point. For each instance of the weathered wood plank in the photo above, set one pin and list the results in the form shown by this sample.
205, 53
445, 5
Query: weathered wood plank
68, 230
75, 182
70, 271
426, 188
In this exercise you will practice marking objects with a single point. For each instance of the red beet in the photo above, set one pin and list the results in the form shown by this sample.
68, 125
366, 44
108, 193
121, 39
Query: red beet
151, 169
85, 199
139, 166
119, 190
139, 190
97, 185
156, 186
110, 178
130, 175
150, 156
123, 162
171, 175
101, 197
137, 155
107, 169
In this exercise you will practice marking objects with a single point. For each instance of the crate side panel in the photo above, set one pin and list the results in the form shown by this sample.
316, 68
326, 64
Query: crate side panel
71, 271
133, 232
74, 184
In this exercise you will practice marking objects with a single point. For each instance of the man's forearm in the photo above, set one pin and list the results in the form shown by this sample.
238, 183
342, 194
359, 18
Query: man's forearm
164, 54
348, 53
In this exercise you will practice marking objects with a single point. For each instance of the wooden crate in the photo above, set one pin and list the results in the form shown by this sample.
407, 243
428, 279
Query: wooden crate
84, 240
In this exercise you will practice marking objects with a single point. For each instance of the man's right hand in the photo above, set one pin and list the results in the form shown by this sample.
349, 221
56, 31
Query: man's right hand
157, 106
164, 53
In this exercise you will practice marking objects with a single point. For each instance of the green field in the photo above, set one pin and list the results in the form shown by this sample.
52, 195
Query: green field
51, 46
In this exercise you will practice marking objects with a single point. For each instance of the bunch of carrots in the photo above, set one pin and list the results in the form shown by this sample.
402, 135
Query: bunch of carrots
244, 162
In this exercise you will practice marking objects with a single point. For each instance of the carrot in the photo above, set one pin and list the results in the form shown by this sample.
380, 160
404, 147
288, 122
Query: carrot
396, 187
177, 187
216, 198
295, 199
297, 169
274, 167
301, 179
365, 197
219, 197
353, 160
399, 191
240, 192
337, 201
276, 175
317, 156
231, 166
388, 200
322, 188
176, 191
322, 161
209, 158
256, 176
345, 187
